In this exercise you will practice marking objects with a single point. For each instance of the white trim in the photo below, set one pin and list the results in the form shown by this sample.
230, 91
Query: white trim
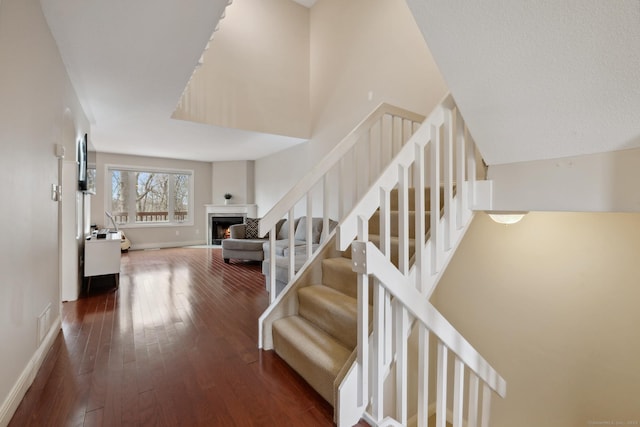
164, 245
19, 389
107, 194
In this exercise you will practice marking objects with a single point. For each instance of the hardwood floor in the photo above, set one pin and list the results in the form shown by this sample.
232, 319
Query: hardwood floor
175, 345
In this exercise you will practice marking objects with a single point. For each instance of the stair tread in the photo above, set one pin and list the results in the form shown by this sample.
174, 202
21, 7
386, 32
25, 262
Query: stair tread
310, 351
332, 311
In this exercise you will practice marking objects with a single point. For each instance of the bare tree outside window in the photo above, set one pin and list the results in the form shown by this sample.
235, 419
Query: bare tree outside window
139, 196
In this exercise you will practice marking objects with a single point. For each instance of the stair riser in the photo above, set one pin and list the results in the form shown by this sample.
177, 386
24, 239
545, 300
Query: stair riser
319, 366
394, 223
394, 206
333, 312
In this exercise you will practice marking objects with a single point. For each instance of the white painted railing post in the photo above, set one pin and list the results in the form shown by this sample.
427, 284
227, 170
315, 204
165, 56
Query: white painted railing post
472, 413
363, 323
419, 212
435, 198
486, 405
458, 393
423, 376
401, 363
441, 387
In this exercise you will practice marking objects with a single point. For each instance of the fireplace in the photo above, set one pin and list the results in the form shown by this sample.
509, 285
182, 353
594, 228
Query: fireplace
237, 212
220, 227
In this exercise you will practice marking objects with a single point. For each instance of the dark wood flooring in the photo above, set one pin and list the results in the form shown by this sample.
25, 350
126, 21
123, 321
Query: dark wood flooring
175, 345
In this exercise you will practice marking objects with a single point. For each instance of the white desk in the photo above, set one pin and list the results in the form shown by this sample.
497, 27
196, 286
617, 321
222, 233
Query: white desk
102, 256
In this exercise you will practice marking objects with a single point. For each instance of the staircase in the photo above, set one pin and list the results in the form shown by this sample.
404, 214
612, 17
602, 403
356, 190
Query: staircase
345, 319
318, 340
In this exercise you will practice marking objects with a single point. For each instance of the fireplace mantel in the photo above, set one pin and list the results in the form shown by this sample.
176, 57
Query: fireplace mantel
246, 211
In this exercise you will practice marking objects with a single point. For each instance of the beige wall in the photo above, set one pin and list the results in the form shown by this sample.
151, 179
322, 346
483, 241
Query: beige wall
255, 74
236, 178
356, 47
161, 236
552, 304
38, 108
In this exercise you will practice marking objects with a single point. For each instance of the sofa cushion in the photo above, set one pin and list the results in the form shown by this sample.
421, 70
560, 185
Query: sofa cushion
300, 249
281, 245
283, 233
316, 229
251, 228
243, 244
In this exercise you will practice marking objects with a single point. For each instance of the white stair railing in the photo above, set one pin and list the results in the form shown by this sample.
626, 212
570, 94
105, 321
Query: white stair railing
368, 260
439, 158
338, 181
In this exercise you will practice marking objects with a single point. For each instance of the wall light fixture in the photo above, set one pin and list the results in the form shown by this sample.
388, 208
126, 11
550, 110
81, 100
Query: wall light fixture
507, 217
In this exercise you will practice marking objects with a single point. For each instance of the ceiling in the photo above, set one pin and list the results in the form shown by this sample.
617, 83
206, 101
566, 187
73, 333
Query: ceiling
534, 80
129, 62
540, 79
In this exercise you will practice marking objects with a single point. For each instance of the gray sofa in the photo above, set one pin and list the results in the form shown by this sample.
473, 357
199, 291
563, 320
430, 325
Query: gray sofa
283, 250
238, 246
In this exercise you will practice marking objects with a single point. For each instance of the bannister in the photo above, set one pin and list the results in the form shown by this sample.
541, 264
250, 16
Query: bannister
437, 169
369, 260
338, 181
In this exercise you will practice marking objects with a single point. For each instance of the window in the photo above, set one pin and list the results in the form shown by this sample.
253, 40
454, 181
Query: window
151, 196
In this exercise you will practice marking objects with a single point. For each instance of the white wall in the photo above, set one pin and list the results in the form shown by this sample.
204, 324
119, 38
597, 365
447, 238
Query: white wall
552, 304
160, 236
255, 74
35, 93
356, 47
605, 182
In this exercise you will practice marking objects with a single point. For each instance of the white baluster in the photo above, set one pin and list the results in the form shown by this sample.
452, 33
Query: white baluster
401, 363
448, 180
472, 413
471, 167
435, 198
292, 258
461, 187
423, 376
308, 231
403, 226
272, 264
441, 393
363, 323
458, 393
420, 226
486, 405
377, 392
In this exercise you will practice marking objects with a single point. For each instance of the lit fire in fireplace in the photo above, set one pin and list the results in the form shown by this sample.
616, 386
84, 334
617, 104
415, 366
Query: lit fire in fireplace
226, 234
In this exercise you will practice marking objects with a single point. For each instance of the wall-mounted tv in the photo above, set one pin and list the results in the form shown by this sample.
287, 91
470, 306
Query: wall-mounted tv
82, 163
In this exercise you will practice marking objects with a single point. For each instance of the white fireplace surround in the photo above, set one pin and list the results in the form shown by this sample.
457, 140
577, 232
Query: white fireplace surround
245, 211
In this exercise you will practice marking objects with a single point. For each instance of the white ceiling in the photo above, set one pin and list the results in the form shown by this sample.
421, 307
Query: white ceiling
535, 80
540, 79
129, 62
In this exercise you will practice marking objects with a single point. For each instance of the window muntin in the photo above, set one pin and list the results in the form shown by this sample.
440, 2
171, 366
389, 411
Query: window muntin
147, 196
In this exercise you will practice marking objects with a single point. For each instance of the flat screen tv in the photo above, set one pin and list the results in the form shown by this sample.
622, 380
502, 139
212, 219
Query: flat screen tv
82, 163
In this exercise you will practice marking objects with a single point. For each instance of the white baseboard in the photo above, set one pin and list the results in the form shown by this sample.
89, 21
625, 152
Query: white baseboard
27, 376
142, 246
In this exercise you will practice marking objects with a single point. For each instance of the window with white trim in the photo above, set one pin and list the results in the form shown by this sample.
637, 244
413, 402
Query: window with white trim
150, 196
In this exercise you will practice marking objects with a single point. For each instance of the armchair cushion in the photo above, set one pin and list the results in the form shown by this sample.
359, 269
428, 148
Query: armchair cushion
237, 231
